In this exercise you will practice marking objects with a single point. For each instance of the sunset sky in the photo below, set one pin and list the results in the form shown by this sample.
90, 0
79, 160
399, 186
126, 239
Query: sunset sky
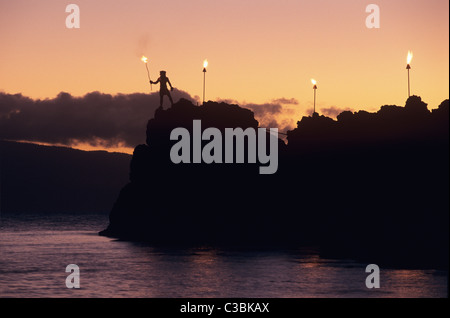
258, 50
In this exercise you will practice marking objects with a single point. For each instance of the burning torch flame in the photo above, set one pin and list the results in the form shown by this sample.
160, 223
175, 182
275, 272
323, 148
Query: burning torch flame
409, 58
205, 63
144, 59
313, 81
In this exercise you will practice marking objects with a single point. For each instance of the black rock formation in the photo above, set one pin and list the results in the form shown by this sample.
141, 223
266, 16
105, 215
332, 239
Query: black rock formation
178, 203
372, 186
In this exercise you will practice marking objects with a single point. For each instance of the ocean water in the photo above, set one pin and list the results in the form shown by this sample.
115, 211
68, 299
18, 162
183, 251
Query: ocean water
35, 250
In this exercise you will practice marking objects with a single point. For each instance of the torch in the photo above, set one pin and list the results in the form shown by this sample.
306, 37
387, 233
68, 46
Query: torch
205, 65
313, 81
145, 60
408, 67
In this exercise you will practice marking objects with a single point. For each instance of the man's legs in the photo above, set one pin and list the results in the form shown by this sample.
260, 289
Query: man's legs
170, 98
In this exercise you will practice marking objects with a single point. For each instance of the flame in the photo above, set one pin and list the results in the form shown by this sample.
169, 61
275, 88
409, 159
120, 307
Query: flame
205, 63
313, 81
144, 59
409, 58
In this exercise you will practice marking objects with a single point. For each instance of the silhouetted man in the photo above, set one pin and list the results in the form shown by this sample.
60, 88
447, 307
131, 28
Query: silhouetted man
163, 90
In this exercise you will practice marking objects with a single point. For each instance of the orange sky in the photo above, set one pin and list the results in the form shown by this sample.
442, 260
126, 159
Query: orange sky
258, 50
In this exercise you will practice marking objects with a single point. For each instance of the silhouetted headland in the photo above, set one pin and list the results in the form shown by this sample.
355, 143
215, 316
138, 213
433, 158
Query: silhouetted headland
49, 179
371, 186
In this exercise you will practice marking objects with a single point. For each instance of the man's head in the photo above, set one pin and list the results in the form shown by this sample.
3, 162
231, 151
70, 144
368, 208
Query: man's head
162, 73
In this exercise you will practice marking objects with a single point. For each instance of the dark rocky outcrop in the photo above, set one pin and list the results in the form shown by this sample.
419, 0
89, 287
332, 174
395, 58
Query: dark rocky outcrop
369, 185
178, 203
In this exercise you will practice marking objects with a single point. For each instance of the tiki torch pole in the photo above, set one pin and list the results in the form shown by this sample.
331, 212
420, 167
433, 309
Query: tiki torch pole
314, 88
408, 67
205, 64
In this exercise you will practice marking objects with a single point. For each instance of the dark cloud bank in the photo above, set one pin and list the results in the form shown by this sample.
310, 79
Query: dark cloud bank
111, 120
96, 118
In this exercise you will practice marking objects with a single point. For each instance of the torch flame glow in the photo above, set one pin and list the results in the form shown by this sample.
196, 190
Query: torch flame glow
205, 63
409, 58
313, 81
144, 59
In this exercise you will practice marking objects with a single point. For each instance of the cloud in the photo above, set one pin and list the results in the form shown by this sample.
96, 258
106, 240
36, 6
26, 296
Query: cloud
331, 111
227, 101
110, 121
280, 113
334, 111
261, 110
97, 119
285, 101
276, 114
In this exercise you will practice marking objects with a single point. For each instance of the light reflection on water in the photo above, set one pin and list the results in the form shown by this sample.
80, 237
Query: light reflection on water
35, 250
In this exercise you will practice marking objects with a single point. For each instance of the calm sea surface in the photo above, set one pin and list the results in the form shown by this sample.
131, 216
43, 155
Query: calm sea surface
35, 250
